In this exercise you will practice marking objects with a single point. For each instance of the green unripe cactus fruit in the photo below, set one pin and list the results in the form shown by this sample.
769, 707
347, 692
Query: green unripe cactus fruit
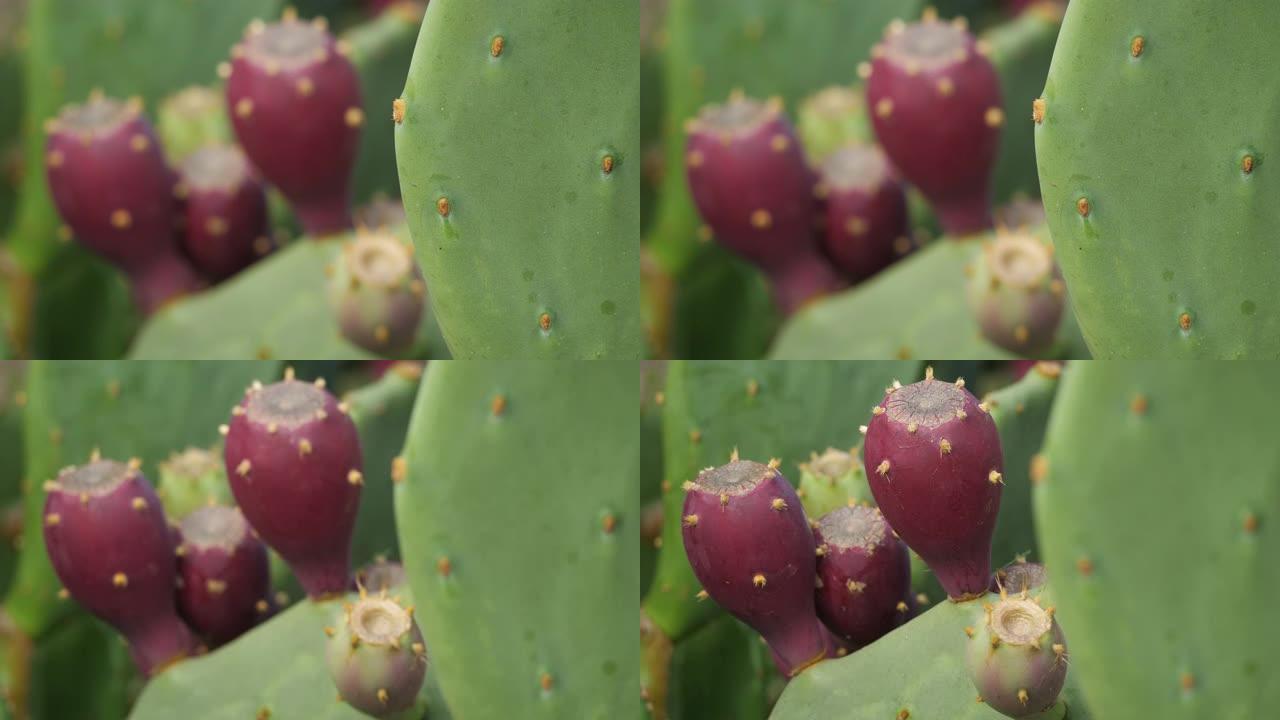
190, 119
377, 293
831, 480
832, 118
192, 479
1017, 657
377, 657
1016, 293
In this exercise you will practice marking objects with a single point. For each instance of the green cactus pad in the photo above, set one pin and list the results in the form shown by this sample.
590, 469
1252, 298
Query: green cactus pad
125, 410
519, 531
276, 308
519, 157
279, 667
918, 668
1157, 518
1156, 177
765, 410
381, 413
720, 672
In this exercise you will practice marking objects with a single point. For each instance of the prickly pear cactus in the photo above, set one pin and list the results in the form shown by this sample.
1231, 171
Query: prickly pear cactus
125, 47
499, 492
765, 49
1155, 176
519, 157
276, 308
916, 671
765, 410
275, 671
1138, 500
125, 410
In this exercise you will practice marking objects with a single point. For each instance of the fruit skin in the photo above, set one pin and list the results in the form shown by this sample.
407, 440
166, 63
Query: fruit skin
110, 183
832, 118
937, 474
753, 186
296, 475
377, 292
831, 480
1015, 291
865, 574
106, 535
225, 207
866, 211
191, 118
1016, 671
749, 544
939, 120
225, 579
192, 479
379, 674
300, 125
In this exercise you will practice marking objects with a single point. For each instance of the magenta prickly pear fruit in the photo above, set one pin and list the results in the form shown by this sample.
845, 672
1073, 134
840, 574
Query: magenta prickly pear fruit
1018, 576
378, 293
866, 210
376, 656
1016, 292
294, 100
113, 189
752, 549
936, 109
293, 459
934, 464
226, 211
110, 545
865, 574
224, 574
755, 190
1017, 656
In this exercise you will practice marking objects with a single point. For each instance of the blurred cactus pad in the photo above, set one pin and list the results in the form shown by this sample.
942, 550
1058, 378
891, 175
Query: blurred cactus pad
442, 531
526, 231
1089, 449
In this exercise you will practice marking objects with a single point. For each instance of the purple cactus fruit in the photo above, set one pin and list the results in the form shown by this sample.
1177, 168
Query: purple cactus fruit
294, 462
934, 464
226, 211
755, 190
1017, 656
377, 293
110, 183
1019, 576
1015, 291
936, 109
865, 572
376, 656
866, 210
751, 547
294, 100
110, 545
224, 572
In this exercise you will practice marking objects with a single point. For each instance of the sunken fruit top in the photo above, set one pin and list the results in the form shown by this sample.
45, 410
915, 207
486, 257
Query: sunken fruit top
214, 526
379, 621
855, 166
289, 44
738, 477
1019, 260
1019, 621
215, 167
926, 45
928, 403
98, 477
289, 403
853, 527
379, 260
100, 115
741, 115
